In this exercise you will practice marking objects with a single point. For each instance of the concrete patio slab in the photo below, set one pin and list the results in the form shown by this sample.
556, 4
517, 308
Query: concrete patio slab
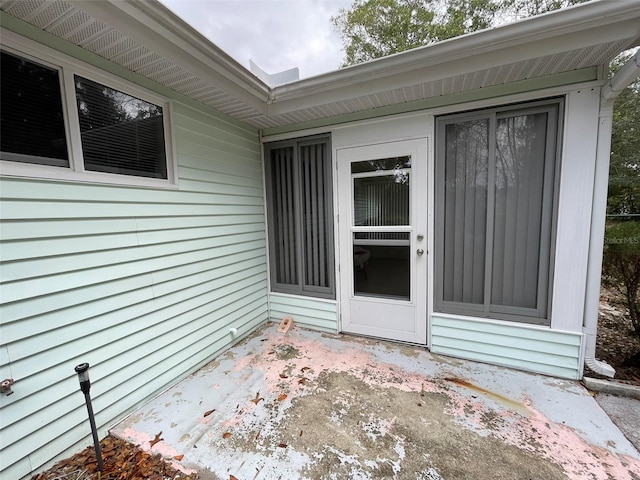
310, 405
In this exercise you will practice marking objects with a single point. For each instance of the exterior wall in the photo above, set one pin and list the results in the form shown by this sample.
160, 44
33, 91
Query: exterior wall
306, 312
144, 284
574, 209
554, 350
514, 345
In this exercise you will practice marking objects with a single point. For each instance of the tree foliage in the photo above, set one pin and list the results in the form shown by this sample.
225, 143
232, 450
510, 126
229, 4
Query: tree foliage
621, 266
376, 28
624, 170
621, 262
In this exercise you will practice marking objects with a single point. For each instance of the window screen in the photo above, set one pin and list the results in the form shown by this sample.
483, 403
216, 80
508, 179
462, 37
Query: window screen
495, 196
300, 217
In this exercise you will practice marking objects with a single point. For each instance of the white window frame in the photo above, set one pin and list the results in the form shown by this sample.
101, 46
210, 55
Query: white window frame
67, 67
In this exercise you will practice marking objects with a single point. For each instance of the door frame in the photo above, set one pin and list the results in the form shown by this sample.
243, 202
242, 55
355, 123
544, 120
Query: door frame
421, 223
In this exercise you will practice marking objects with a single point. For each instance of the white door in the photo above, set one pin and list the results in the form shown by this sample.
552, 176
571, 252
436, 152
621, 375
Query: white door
382, 203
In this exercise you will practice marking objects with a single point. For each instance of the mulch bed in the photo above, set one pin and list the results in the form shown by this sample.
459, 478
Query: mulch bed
122, 461
617, 344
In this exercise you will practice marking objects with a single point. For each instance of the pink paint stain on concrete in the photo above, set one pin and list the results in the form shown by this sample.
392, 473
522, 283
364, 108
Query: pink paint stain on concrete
558, 443
579, 459
321, 358
521, 425
142, 439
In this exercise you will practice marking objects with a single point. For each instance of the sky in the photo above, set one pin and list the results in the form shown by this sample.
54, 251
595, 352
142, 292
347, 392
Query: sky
276, 34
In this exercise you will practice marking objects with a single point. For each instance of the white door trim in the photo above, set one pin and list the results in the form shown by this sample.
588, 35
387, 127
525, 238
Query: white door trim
377, 316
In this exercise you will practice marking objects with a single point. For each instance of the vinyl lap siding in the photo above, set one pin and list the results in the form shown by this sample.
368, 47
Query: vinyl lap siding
305, 311
518, 346
143, 284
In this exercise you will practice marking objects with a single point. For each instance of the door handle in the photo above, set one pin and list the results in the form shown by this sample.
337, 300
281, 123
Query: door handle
420, 251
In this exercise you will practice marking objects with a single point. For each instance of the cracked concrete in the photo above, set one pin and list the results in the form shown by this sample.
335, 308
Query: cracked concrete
312, 405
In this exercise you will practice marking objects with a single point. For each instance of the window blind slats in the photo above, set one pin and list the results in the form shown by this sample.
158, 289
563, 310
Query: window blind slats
496, 210
282, 161
31, 114
120, 133
520, 160
299, 193
466, 161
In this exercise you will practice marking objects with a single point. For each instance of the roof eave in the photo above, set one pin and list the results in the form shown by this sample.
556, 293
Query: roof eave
578, 19
151, 23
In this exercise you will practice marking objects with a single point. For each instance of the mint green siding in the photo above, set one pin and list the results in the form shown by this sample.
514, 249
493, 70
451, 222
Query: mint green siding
144, 284
305, 311
513, 345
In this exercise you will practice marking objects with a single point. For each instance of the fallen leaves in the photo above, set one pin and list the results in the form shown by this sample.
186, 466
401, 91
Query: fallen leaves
226, 435
282, 445
157, 439
257, 399
282, 397
282, 375
122, 461
179, 457
302, 381
209, 412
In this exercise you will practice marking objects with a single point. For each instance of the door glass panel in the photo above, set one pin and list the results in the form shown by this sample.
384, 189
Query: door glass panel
382, 267
384, 164
382, 198
381, 259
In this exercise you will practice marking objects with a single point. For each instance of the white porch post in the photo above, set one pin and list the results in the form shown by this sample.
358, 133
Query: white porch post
623, 78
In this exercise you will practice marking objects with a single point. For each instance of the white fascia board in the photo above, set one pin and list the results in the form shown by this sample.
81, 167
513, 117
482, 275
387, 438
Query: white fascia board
579, 26
159, 29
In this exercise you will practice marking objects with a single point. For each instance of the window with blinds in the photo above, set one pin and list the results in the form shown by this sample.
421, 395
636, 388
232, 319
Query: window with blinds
31, 114
301, 251
495, 192
120, 133
108, 130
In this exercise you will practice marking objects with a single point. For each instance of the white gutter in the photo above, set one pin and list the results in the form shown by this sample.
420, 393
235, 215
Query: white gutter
621, 80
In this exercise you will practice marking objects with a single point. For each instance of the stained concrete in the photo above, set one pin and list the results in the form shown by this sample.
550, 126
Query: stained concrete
312, 405
625, 413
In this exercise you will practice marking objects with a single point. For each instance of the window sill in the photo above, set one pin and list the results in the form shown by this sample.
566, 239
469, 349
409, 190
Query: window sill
495, 318
44, 172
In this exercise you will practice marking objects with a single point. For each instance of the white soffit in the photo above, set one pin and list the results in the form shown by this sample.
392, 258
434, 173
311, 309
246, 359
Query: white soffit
147, 38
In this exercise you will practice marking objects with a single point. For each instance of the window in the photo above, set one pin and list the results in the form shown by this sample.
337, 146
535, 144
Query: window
120, 133
31, 114
300, 210
58, 122
496, 173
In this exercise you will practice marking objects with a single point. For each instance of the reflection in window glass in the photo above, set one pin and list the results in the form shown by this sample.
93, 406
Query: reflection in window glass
120, 133
382, 164
381, 270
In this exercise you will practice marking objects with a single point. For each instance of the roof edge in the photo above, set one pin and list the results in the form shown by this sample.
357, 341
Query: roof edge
560, 22
150, 22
